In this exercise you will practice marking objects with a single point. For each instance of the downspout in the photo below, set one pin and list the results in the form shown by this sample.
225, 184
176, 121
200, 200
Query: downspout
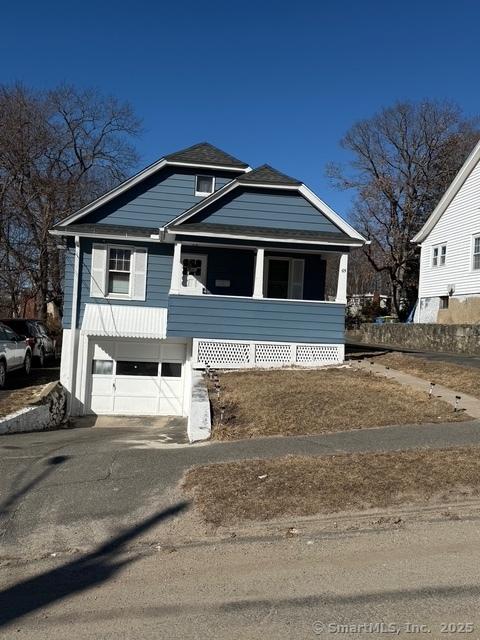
73, 326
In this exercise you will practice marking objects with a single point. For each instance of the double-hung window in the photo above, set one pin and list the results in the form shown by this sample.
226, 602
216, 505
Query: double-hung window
204, 185
119, 270
476, 253
439, 256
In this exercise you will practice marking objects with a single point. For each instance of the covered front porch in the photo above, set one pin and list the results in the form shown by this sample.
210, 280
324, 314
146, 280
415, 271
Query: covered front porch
247, 306
276, 273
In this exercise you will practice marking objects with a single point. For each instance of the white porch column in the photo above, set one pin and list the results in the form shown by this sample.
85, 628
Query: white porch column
258, 282
342, 279
176, 268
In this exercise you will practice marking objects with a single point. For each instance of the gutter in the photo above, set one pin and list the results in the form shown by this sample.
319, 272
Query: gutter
73, 326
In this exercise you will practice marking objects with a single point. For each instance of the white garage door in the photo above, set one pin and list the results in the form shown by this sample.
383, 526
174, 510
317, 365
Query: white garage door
136, 377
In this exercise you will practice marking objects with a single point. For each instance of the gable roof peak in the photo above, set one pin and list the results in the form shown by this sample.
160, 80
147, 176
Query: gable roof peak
268, 175
458, 182
205, 153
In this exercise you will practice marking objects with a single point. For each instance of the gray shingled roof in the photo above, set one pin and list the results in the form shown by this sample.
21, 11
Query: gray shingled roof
205, 153
265, 232
268, 175
101, 229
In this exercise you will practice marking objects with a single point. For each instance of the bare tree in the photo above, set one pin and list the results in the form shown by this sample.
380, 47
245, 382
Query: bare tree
59, 149
403, 159
362, 277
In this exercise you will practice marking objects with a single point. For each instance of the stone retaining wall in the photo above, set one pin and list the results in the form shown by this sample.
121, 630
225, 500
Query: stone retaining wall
48, 413
451, 338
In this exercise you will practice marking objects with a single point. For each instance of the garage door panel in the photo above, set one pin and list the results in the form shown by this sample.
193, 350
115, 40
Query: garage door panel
171, 388
126, 405
102, 404
105, 351
136, 386
102, 386
148, 350
170, 407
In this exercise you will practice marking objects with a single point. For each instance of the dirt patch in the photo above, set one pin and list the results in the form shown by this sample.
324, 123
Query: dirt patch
233, 492
23, 391
11, 401
297, 402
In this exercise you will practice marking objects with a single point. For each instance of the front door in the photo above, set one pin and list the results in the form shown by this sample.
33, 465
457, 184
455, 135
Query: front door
194, 273
278, 277
284, 278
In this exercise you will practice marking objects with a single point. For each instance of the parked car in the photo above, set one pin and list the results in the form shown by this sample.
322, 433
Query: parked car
15, 353
40, 341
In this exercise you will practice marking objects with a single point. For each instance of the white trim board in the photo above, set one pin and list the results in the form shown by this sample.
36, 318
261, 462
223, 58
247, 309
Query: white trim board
459, 180
207, 234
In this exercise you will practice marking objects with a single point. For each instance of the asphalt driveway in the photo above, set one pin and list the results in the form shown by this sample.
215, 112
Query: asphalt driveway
73, 489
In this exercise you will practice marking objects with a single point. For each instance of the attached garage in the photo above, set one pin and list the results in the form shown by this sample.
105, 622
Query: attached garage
135, 377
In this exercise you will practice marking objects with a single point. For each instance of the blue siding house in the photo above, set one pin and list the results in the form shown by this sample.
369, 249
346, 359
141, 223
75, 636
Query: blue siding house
198, 260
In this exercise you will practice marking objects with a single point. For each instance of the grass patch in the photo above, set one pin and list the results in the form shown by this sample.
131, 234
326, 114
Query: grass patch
296, 402
233, 492
454, 376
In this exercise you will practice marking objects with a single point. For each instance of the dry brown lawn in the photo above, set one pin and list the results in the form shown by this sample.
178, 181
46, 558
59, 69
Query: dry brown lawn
11, 401
299, 402
233, 492
455, 376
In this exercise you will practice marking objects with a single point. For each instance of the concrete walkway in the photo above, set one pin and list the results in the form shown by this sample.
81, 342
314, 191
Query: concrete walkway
464, 402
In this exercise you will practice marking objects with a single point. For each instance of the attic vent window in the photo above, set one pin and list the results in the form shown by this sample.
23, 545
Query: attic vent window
204, 185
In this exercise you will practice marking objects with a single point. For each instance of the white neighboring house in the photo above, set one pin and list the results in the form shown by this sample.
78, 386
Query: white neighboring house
449, 285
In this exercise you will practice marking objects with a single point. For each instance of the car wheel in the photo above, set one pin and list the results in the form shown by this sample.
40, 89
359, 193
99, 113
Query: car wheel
27, 363
3, 374
41, 358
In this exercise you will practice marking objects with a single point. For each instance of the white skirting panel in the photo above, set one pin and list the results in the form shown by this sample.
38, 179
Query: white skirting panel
236, 354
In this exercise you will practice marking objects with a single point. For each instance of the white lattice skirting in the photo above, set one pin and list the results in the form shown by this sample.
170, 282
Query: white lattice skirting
229, 354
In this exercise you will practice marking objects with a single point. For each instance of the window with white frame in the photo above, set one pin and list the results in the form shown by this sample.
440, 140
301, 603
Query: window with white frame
204, 185
119, 271
439, 255
476, 252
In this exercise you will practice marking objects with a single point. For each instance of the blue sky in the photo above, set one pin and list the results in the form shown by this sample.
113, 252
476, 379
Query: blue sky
277, 82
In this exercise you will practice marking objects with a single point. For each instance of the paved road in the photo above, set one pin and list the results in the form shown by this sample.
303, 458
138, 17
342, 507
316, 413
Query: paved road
71, 489
423, 574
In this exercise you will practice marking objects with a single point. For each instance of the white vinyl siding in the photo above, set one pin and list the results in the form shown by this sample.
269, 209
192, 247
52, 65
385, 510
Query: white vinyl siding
459, 224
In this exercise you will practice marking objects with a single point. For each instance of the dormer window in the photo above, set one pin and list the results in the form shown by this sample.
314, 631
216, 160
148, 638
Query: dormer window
204, 185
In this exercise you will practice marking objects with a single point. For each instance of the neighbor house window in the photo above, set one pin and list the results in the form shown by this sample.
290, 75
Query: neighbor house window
444, 302
204, 185
119, 265
476, 252
439, 255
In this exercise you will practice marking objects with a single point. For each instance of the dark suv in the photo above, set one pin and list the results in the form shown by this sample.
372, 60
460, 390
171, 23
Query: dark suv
41, 342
